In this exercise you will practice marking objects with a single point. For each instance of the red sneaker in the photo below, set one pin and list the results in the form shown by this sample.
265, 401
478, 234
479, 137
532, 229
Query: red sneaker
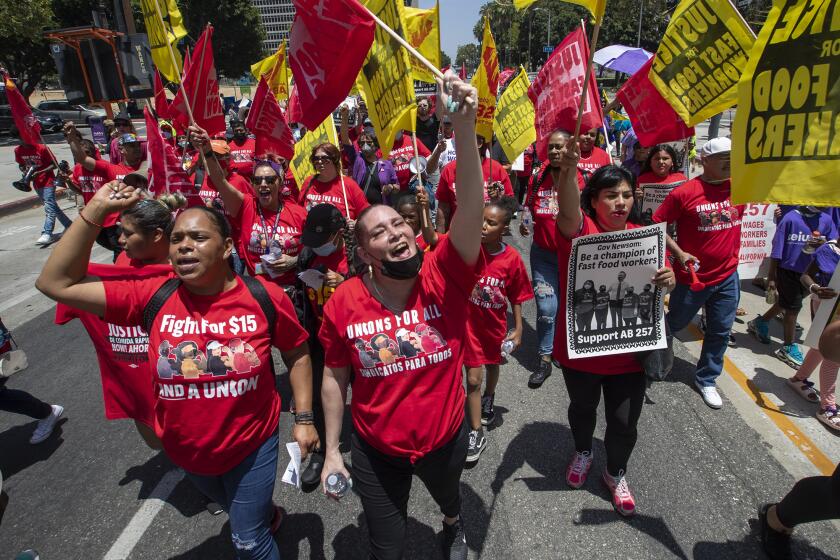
578, 468
623, 500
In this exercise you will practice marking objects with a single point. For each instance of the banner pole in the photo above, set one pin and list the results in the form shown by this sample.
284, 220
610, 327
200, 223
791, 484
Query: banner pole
174, 62
423, 221
432, 68
585, 92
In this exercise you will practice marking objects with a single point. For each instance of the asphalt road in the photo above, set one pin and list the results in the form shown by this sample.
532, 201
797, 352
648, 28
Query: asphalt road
93, 490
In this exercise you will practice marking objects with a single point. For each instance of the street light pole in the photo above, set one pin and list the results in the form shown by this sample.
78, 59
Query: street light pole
548, 39
641, 12
530, 20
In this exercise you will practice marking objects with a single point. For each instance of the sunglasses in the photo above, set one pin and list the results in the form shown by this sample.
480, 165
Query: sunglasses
258, 181
319, 159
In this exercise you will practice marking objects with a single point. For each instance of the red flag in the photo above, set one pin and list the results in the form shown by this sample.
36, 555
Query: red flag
268, 123
505, 75
463, 73
202, 88
186, 65
556, 91
167, 175
293, 107
27, 125
161, 102
653, 118
328, 43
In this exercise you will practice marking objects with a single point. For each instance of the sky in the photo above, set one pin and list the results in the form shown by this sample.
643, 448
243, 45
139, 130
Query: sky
457, 18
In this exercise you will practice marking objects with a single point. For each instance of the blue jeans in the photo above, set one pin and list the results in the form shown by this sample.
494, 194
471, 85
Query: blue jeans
244, 492
721, 303
47, 195
544, 277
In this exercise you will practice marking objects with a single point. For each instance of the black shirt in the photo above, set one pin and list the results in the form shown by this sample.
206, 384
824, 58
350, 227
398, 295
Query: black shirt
427, 132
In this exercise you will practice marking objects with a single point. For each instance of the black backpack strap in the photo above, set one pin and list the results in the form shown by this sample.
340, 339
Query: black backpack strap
260, 294
158, 300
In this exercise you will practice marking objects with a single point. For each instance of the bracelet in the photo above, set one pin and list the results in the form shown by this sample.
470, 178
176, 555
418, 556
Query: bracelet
89, 222
811, 287
304, 417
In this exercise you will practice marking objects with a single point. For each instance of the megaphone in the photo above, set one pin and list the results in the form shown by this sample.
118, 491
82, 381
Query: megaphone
25, 184
417, 165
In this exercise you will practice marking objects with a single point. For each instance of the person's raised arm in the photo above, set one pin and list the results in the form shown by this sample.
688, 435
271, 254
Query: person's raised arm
569, 215
427, 228
64, 277
231, 197
434, 159
465, 230
299, 365
74, 139
344, 128
333, 398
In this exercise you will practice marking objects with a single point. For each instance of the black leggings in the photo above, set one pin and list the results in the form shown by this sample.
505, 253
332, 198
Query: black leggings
21, 402
383, 482
816, 498
623, 398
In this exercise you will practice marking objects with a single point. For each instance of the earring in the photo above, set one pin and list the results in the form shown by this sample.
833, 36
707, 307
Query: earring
370, 270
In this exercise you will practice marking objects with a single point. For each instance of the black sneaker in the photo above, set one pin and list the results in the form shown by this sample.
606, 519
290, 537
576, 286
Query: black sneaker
311, 475
488, 415
477, 444
454, 542
538, 377
775, 544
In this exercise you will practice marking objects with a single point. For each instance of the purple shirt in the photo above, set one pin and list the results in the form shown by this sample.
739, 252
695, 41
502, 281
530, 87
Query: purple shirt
387, 174
793, 232
826, 257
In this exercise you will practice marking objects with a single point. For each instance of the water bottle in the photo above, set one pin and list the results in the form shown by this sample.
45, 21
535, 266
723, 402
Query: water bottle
337, 485
525, 217
507, 347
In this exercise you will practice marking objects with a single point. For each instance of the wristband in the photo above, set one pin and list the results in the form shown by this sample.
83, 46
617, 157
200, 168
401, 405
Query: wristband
89, 222
304, 417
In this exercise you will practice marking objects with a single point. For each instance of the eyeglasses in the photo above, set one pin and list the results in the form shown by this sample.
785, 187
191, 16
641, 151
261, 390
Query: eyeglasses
263, 180
319, 159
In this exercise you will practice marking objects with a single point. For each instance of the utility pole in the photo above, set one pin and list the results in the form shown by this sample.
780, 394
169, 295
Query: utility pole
641, 12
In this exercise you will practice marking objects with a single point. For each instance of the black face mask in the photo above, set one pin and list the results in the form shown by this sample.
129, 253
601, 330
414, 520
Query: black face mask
240, 136
403, 270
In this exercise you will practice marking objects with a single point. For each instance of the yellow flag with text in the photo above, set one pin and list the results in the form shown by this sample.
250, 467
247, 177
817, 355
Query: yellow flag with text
486, 81
422, 31
385, 79
700, 58
514, 120
160, 37
786, 135
595, 7
276, 70
302, 168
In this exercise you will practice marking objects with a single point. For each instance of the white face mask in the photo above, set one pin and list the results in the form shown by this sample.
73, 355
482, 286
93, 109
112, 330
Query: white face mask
325, 250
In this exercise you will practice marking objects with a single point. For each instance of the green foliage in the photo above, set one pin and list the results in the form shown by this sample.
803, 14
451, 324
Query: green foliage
468, 55
23, 51
445, 60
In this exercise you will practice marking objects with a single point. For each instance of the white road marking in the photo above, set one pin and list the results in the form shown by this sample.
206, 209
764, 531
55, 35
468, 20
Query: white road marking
15, 230
138, 525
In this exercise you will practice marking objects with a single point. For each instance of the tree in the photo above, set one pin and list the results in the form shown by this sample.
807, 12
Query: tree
23, 50
237, 32
468, 56
445, 60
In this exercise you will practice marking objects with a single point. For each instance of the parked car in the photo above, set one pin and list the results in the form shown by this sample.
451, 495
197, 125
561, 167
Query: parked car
79, 114
50, 122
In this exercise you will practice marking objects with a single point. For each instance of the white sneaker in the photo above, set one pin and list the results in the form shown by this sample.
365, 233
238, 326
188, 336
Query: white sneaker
45, 426
45, 239
710, 395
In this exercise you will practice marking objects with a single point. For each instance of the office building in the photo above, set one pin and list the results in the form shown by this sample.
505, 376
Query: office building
277, 17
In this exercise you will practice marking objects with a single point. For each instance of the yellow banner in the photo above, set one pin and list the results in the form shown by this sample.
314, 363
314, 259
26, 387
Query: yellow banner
595, 7
275, 68
385, 79
700, 58
785, 145
173, 30
514, 121
486, 81
422, 28
302, 168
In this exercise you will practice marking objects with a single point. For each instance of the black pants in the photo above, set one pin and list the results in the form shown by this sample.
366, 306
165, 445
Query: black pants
584, 320
21, 402
384, 482
623, 398
615, 312
816, 498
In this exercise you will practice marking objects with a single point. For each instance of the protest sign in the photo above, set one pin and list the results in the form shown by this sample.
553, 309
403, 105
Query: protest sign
785, 145
613, 306
757, 229
385, 80
422, 28
300, 164
514, 120
700, 58
486, 81
653, 194
827, 312
164, 27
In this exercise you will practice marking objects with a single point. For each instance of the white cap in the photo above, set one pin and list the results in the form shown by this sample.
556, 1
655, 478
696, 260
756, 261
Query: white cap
716, 146
400, 332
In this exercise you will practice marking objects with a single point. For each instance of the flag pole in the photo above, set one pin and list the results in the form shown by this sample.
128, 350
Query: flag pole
419, 173
584, 94
432, 68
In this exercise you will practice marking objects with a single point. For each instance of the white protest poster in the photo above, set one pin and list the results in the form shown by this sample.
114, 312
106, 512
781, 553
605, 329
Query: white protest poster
757, 230
613, 307
827, 312
292, 473
653, 194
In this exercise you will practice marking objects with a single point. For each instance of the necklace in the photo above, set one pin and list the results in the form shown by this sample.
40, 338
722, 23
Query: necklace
379, 294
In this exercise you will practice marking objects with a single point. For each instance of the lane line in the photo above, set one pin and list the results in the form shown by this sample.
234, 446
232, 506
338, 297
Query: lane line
807, 447
138, 525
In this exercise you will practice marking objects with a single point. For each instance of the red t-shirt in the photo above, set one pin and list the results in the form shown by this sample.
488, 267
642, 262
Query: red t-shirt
290, 191
651, 177
215, 397
708, 227
242, 156
122, 351
209, 191
408, 394
257, 226
317, 192
90, 182
446, 186
401, 154
39, 156
592, 163
421, 242
603, 365
503, 279
337, 262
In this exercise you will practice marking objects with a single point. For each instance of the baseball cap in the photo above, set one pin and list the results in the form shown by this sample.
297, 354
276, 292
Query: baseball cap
321, 223
716, 146
122, 117
128, 138
220, 147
